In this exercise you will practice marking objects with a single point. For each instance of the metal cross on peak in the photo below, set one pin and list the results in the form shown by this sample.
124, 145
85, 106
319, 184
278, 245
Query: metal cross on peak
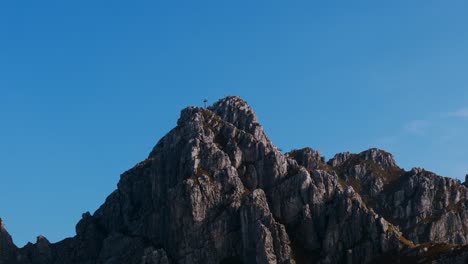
205, 101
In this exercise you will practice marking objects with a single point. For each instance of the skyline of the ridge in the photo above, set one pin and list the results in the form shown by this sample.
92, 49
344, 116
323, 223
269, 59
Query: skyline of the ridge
88, 88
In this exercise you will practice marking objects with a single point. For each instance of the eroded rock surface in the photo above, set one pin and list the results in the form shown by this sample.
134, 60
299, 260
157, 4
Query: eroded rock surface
216, 190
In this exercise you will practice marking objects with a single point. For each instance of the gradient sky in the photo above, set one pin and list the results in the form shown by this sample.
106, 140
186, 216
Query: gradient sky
88, 87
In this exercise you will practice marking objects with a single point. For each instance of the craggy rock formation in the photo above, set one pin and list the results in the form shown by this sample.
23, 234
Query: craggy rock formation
426, 207
7, 248
216, 190
308, 158
367, 171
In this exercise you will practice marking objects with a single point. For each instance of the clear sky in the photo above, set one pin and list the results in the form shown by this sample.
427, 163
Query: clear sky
88, 87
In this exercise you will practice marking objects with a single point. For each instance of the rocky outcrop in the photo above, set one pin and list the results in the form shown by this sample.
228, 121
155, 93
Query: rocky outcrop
329, 223
308, 158
7, 248
264, 240
367, 171
340, 159
216, 190
426, 207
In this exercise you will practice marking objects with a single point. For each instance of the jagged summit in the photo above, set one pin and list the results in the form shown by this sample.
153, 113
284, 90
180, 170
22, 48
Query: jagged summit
216, 190
235, 110
7, 248
309, 158
375, 155
3, 231
231, 109
379, 156
368, 171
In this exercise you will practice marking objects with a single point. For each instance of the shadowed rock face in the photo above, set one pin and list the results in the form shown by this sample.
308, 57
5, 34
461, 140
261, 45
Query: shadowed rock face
7, 248
216, 190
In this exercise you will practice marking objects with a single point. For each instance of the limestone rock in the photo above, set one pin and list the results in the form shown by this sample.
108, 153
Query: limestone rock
308, 158
216, 190
263, 239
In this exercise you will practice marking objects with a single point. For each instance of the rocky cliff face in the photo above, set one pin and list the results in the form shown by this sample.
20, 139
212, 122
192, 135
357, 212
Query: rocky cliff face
7, 248
426, 207
216, 190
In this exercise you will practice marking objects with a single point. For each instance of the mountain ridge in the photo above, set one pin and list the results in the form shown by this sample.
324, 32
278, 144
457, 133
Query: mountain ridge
215, 189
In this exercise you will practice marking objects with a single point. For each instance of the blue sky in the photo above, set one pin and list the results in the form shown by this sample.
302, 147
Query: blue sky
88, 87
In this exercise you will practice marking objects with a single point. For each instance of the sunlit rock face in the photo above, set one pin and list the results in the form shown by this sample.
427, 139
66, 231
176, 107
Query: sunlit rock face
216, 190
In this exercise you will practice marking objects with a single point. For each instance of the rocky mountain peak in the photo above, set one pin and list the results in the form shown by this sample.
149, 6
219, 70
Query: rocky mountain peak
216, 190
3, 232
339, 159
368, 172
374, 155
236, 111
41, 239
7, 248
379, 156
309, 158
